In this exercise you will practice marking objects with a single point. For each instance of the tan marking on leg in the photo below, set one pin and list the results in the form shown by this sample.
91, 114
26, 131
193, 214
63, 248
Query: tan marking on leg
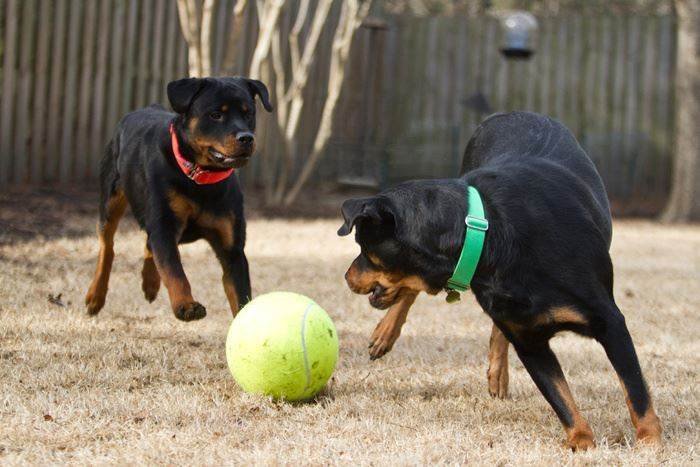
560, 315
516, 329
648, 425
498, 364
579, 435
97, 293
220, 233
179, 289
150, 279
389, 328
183, 305
231, 294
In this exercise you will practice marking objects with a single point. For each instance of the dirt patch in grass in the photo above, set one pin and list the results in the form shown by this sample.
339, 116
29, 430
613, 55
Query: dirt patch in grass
136, 385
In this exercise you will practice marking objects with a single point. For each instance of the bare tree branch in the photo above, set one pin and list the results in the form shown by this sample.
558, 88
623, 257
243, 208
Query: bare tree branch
352, 15
208, 8
190, 15
296, 29
268, 14
301, 73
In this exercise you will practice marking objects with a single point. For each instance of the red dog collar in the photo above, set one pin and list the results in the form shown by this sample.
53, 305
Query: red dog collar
194, 172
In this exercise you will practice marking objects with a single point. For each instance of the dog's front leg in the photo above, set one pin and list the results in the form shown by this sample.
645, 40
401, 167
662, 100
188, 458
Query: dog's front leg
389, 328
498, 364
236, 278
163, 239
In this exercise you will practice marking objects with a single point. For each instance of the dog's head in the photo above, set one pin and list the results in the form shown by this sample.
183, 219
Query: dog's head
393, 260
217, 118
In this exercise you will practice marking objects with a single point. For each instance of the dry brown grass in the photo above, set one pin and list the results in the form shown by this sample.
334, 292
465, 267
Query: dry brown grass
136, 385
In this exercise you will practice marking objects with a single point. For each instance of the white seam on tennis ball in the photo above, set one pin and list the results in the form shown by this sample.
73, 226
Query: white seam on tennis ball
303, 346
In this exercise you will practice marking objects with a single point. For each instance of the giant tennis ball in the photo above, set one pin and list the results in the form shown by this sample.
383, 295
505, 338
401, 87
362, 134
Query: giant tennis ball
283, 345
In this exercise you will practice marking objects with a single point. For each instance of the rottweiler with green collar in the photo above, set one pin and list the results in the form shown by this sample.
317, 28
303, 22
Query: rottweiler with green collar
544, 266
176, 172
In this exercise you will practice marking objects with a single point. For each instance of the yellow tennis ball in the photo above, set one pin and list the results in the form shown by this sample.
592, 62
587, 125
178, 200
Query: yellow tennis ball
283, 345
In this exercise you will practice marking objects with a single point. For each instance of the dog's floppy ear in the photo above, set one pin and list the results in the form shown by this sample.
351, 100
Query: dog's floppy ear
259, 88
181, 93
359, 208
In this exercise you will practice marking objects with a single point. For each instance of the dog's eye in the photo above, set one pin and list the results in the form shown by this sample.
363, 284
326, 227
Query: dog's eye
216, 115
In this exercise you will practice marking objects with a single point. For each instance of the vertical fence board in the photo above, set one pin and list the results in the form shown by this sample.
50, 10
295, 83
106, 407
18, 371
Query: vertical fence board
86, 88
144, 53
647, 86
22, 134
116, 67
70, 91
664, 106
56, 92
602, 86
98, 136
130, 53
630, 113
545, 70
171, 38
41, 69
157, 58
8, 88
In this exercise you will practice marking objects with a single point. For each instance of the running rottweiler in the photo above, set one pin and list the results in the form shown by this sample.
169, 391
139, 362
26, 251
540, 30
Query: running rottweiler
175, 170
545, 265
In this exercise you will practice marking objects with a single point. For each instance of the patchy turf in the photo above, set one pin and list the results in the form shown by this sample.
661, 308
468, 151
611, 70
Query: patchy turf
135, 385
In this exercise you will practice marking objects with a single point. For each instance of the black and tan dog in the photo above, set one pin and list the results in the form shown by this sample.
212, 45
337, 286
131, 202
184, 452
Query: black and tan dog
175, 170
545, 266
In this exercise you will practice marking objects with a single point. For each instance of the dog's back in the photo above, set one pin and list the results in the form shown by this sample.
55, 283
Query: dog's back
546, 149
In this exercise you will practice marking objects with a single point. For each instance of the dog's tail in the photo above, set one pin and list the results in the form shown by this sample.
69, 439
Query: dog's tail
109, 175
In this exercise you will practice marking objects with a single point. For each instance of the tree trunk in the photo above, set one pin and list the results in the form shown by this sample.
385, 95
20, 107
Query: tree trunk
684, 201
235, 35
190, 14
208, 7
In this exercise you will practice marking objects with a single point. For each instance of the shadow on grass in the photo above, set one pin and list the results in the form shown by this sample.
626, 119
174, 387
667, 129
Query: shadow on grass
71, 212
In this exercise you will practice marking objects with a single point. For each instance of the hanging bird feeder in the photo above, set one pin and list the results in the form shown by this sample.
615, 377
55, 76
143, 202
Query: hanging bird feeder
519, 35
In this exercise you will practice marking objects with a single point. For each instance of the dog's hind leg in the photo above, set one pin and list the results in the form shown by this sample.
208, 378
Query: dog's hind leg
112, 208
617, 342
545, 371
150, 278
498, 364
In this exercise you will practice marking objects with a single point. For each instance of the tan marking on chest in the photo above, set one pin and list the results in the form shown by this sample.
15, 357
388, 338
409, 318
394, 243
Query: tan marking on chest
221, 226
183, 208
188, 212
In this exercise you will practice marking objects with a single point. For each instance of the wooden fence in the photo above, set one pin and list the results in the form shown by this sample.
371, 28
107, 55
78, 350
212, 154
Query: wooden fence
609, 79
414, 93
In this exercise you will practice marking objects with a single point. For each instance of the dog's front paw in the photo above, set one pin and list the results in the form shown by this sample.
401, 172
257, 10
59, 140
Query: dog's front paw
649, 430
189, 311
498, 380
383, 338
94, 301
580, 440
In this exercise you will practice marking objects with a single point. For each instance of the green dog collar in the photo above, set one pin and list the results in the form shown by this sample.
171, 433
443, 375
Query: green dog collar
474, 237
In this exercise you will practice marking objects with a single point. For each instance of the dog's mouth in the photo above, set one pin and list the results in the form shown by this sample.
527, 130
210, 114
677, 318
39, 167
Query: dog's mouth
228, 160
379, 298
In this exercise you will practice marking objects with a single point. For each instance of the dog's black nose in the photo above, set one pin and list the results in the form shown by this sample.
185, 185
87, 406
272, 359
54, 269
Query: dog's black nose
245, 137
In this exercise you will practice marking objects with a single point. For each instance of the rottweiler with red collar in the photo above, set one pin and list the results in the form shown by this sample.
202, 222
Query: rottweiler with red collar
543, 267
176, 172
